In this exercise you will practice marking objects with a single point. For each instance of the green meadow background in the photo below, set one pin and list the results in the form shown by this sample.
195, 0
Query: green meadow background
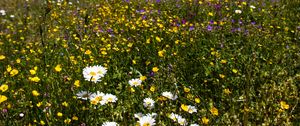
237, 62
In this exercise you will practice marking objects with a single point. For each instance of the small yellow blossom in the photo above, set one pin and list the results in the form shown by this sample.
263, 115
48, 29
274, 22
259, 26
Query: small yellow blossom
59, 114
197, 100
283, 105
205, 120
155, 69
42, 122
161, 53
77, 83
222, 76
184, 107
32, 72
88, 52
14, 72
58, 68
186, 89
142, 78
74, 118
158, 39
223, 61
34, 79
227, 91
234, 71
18, 60
35, 93
214, 111
39, 104
8, 69
67, 121
3, 98
2, 57
65, 104
3, 87
152, 88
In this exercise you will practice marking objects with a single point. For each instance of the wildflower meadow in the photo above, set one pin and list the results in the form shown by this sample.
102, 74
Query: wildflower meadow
149, 62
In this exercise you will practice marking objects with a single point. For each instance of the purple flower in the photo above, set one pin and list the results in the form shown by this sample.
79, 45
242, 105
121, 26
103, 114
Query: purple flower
209, 28
191, 28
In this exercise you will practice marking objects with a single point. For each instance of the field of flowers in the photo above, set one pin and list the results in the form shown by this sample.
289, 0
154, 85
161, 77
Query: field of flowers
149, 62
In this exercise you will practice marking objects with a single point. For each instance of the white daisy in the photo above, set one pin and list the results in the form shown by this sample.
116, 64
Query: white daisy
110, 98
97, 98
192, 109
174, 116
91, 74
181, 121
194, 124
2, 12
110, 124
148, 103
238, 11
135, 82
138, 115
83, 95
169, 95
101, 71
147, 120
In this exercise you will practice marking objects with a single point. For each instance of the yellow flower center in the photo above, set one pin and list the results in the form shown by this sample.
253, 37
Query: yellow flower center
146, 124
93, 73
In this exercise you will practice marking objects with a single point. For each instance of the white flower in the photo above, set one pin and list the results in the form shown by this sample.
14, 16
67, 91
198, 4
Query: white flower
91, 74
147, 120
138, 115
83, 95
110, 98
97, 98
135, 82
238, 11
253, 7
194, 124
12, 16
169, 95
110, 124
192, 109
181, 121
148, 103
101, 71
174, 116
2, 12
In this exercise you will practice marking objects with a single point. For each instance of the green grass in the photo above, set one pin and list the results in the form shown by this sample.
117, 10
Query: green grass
243, 67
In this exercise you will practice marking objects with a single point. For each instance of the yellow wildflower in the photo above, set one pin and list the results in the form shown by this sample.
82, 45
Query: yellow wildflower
142, 78
32, 72
186, 89
197, 100
14, 72
77, 83
88, 52
184, 107
3, 87
2, 57
58, 68
155, 69
2, 98
283, 105
234, 71
205, 120
59, 114
74, 118
35, 93
214, 111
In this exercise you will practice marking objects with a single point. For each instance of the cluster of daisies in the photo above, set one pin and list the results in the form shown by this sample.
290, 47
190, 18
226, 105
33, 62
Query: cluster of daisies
95, 73
97, 98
